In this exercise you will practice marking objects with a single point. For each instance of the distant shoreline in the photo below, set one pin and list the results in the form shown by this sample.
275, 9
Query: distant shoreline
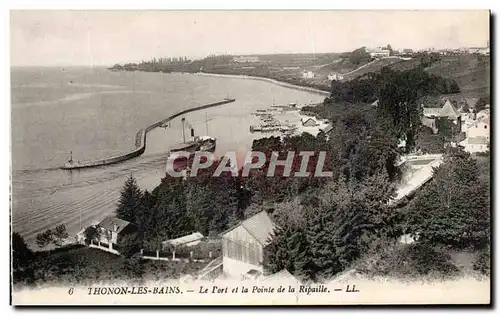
273, 81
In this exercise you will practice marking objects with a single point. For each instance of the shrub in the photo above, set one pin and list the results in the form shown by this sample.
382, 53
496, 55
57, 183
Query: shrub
482, 262
407, 261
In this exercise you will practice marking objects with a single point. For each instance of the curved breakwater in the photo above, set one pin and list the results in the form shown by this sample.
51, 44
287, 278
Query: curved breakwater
283, 84
140, 140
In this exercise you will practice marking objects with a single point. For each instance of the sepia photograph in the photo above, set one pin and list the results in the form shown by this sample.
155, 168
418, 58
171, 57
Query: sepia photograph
250, 157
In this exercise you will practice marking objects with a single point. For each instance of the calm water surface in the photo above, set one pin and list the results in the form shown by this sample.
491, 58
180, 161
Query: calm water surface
96, 113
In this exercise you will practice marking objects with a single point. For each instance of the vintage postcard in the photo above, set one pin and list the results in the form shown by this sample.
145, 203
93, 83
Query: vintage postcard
250, 157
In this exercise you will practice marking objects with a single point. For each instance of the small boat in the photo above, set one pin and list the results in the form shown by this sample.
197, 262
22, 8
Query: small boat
207, 143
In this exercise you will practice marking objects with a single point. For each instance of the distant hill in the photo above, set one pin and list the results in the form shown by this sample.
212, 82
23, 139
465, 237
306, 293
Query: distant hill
471, 72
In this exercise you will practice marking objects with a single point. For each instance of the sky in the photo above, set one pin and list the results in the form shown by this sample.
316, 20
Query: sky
91, 38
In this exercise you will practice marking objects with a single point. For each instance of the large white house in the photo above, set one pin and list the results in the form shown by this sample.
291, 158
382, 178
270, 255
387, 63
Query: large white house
480, 128
378, 52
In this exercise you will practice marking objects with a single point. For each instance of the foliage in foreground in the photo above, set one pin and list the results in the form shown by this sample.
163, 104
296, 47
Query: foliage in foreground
390, 259
78, 264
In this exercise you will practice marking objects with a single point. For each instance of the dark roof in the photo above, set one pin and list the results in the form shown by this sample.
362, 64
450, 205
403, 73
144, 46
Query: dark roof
305, 121
109, 222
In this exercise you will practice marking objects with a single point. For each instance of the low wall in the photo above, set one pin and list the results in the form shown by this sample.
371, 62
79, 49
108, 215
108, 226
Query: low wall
141, 144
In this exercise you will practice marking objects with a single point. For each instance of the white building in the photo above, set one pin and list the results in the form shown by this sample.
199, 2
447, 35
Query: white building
308, 74
485, 113
186, 240
245, 59
308, 122
335, 77
476, 144
480, 128
378, 52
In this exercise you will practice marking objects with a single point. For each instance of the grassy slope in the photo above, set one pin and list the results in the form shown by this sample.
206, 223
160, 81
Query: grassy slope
376, 66
472, 75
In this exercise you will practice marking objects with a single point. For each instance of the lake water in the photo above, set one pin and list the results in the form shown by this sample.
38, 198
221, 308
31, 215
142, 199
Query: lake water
96, 113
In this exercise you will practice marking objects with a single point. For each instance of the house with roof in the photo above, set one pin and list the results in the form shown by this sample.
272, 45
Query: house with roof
244, 245
328, 129
186, 240
448, 111
378, 52
480, 128
111, 230
309, 122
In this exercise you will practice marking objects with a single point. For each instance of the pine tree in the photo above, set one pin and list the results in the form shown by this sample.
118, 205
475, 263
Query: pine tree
277, 254
321, 239
199, 206
300, 253
130, 200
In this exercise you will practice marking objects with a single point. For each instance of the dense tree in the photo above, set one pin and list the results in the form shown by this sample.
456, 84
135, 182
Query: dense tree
130, 244
391, 51
168, 218
289, 250
45, 238
200, 206
428, 143
398, 103
60, 235
322, 243
454, 208
92, 233
130, 200
359, 56
21, 253
447, 129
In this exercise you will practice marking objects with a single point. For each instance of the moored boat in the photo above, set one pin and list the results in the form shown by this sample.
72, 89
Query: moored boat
207, 143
